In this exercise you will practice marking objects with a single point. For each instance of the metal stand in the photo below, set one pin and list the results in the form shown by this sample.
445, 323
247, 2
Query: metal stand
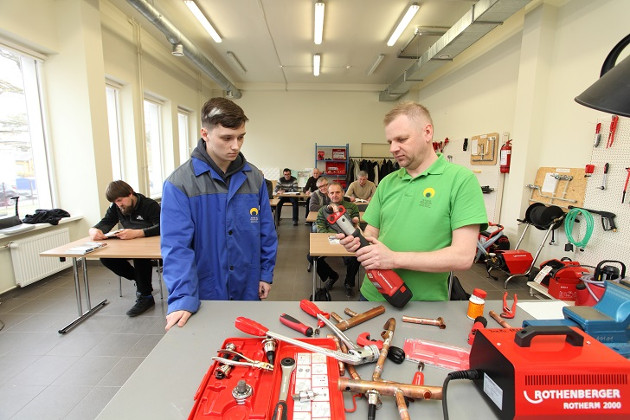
77, 289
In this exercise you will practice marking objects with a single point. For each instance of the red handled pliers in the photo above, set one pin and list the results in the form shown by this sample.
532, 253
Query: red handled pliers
507, 311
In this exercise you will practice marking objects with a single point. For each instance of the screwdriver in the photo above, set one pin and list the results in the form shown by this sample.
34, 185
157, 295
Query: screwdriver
293, 323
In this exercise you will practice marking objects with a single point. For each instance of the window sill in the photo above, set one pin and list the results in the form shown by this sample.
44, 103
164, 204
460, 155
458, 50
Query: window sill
40, 226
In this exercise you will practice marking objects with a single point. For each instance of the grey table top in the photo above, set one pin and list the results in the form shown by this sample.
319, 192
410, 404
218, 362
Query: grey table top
170, 375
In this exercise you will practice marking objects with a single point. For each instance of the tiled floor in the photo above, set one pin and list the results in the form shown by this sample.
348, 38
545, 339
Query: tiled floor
45, 375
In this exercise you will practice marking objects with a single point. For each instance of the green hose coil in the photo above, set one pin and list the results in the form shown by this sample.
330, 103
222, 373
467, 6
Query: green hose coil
569, 222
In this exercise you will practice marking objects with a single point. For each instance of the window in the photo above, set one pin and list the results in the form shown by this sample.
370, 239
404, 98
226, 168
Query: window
23, 161
153, 133
113, 124
182, 127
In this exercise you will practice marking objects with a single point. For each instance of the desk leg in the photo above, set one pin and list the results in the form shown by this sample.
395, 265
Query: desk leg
91, 311
314, 277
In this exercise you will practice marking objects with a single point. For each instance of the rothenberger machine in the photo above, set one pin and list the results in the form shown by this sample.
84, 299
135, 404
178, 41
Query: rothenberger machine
547, 372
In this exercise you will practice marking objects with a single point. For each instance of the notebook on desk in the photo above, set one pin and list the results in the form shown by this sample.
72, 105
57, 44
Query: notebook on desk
85, 248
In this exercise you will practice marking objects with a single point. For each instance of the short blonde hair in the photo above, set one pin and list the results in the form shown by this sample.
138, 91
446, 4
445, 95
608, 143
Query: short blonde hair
413, 110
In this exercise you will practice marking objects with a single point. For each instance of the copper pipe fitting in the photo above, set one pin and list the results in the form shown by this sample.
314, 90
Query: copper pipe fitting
403, 411
336, 317
388, 335
350, 312
342, 366
439, 322
360, 318
500, 320
389, 388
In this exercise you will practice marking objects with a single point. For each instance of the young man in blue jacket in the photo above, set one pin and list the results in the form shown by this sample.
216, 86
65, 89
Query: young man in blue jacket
218, 236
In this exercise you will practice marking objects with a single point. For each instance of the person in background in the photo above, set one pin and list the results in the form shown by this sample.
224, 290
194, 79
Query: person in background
287, 184
310, 188
335, 193
424, 219
219, 241
320, 199
139, 216
361, 189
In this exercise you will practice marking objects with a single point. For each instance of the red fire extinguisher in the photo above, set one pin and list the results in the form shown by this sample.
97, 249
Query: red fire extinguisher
506, 157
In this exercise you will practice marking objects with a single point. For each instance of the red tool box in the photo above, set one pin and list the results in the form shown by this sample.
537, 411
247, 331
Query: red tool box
548, 372
214, 399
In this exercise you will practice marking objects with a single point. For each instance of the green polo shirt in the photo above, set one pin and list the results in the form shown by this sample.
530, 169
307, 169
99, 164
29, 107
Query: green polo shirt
420, 214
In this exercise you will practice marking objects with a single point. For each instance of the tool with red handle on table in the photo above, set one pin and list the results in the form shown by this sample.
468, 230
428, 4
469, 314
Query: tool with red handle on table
387, 282
395, 354
293, 323
312, 309
355, 356
613, 130
598, 134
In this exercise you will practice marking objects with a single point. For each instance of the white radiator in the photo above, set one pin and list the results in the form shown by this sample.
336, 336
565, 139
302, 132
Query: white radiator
28, 266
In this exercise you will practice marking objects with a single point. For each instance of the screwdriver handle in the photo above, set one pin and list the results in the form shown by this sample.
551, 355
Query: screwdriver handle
250, 327
293, 323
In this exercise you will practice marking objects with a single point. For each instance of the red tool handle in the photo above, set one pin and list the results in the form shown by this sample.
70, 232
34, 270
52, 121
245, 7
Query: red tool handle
293, 323
250, 327
364, 340
312, 309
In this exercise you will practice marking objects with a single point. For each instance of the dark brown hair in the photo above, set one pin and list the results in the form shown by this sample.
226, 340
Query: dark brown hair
222, 111
117, 189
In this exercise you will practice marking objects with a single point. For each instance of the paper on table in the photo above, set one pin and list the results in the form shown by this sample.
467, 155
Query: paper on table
85, 248
549, 309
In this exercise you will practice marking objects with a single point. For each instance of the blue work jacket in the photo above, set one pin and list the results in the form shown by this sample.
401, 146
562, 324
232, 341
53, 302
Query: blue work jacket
218, 240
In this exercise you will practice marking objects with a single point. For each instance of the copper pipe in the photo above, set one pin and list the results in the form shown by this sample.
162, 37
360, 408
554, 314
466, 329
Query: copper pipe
389, 388
342, 366
336, 317
439, 322
500, 320
352, 371
388, 335
402, 405
358, 319
350, 312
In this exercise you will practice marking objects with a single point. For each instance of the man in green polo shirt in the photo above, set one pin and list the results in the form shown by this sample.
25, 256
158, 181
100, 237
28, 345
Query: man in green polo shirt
425, 218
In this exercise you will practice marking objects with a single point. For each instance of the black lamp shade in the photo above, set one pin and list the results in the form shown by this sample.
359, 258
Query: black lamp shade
611, 93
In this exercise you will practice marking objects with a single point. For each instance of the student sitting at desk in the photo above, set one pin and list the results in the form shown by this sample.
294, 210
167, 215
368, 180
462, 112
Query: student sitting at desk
362, 189
311, 188
140, 217
287, 184
335, 193
320, 199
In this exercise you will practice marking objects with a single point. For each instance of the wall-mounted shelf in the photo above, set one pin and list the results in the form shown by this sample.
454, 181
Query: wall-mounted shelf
333, 161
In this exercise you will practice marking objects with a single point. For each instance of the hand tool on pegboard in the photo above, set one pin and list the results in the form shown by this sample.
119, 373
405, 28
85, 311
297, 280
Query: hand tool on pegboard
613, 130
598, 134
606, 167
625, 186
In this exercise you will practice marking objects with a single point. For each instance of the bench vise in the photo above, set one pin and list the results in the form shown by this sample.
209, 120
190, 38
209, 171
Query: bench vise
608, 321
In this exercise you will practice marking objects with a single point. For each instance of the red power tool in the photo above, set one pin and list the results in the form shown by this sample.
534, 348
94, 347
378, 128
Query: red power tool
387, 282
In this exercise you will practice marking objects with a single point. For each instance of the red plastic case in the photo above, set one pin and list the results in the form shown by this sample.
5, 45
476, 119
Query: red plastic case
214, 400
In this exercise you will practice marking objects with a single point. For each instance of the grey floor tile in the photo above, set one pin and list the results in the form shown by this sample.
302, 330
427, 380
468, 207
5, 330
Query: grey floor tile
143, 347
40, 323
121, 371
44, 371
76, 343
115, 345
13, 364
13, 398
54, 402
87, 371
93, 403
27, 343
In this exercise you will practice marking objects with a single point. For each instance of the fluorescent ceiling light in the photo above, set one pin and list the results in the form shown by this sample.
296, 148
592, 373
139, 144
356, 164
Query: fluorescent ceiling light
203, 20
402, 25
376, 63
316, 64
237, 61
319, 22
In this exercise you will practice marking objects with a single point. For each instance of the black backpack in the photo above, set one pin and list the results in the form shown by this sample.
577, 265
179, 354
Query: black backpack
321, 294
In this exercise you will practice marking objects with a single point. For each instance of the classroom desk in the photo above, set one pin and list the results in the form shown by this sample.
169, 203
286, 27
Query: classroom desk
320, 246
172, 372
116, 248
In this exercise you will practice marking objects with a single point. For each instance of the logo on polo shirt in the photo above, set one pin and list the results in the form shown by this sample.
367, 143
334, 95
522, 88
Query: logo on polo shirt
253, 213
427, 197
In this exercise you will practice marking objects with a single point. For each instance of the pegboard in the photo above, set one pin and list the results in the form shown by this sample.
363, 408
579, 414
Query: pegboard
560, 187
483, 149
608, 245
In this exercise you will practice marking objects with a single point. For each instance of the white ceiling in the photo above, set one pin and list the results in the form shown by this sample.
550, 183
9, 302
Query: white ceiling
274, 38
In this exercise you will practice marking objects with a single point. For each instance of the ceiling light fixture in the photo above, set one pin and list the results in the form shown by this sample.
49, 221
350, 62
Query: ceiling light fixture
316, 64
195, 10
319, 22
178, 50
237, 61
402, 25
376, 63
